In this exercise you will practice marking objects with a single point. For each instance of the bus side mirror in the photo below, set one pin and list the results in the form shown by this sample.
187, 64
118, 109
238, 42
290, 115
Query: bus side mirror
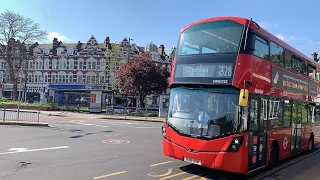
243, 97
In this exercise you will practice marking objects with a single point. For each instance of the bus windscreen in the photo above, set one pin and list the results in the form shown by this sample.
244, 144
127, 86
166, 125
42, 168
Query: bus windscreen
212, 37
204, 113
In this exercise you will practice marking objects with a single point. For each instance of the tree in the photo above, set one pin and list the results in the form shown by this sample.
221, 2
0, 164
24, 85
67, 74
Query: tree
112, 61
17, 33
142, 76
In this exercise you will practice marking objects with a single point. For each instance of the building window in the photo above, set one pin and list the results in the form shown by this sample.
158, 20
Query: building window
46, 52
261, 48
54, 64
102, 64
37, 65
59, 51
80, 65
30, 77
80, 78
94, 65
3, 65
62, 78
62, 64
102, 78
30, 65
71, 64
93, 79
70, 78
40, 65
45, 78
46, 64
88, 77
53, 77
37, 77
70, 51
89, 65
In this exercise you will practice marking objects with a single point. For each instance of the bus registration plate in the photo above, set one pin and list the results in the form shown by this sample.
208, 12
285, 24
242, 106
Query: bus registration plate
193, 161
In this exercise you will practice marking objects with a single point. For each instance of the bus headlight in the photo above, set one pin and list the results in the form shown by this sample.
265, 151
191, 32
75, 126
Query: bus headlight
164, 134
235, 144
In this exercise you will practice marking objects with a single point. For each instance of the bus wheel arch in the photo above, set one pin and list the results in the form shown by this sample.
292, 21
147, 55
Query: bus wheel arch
273, 155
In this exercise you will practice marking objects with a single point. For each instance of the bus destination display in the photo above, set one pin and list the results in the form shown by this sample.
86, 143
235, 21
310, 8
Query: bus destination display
205, 70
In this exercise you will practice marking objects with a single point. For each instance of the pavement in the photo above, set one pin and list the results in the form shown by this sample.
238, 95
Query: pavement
83, 148
101, 116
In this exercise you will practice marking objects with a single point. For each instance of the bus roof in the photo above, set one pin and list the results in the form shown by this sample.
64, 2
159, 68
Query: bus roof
262, 31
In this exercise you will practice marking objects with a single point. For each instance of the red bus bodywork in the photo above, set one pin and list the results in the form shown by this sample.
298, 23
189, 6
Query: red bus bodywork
213, 153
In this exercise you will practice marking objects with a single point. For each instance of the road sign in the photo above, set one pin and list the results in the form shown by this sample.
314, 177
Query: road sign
20, 74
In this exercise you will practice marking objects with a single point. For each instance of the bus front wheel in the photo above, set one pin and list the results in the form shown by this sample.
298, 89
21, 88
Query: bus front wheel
273, 156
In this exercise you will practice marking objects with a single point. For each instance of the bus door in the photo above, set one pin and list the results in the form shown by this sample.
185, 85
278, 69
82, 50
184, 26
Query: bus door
257, 129
296, 127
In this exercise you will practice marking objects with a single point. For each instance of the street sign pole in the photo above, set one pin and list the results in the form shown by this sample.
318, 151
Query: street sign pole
20, 75
19, 97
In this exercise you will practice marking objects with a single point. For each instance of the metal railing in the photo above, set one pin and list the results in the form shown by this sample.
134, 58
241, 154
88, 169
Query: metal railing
132, 111
7, 115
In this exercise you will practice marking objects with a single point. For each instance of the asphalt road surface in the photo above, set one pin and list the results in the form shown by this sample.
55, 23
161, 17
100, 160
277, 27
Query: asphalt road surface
110, 149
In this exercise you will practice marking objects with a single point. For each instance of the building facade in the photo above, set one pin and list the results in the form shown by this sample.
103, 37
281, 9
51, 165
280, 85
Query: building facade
65, 73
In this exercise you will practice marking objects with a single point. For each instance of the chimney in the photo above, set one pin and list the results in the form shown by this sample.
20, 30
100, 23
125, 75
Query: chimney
315, 56
55, 42
107, 43
161, 49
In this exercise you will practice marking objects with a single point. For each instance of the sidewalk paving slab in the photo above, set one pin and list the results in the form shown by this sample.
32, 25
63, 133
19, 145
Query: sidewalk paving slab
24, 123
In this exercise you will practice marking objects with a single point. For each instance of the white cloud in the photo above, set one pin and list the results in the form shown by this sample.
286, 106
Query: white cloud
60, 37
286, 38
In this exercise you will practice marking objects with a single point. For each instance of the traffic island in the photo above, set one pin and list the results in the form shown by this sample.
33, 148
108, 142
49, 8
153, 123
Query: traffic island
22, 123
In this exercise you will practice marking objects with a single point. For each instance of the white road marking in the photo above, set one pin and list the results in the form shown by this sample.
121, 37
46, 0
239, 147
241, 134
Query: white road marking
17, 149
22, 150
126, 124
123, 124
87, 124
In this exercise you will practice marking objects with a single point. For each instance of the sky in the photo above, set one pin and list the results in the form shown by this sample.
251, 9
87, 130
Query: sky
160, 22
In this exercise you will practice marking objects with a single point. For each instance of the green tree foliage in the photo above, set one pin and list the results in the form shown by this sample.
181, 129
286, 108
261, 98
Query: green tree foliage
113, 59
115, 50
142, 76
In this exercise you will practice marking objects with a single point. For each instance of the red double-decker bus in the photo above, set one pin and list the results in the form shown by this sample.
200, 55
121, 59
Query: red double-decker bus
240, 98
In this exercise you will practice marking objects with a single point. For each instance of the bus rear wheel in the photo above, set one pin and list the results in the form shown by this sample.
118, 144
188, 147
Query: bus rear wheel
273, 157
311, 144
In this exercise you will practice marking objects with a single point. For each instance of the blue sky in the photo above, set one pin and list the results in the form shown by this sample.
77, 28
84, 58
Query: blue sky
160, 21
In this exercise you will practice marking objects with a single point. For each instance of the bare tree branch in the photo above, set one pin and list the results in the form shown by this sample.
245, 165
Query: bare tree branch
17, 33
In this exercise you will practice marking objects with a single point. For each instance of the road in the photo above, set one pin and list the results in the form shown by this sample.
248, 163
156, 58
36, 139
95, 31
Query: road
109, 149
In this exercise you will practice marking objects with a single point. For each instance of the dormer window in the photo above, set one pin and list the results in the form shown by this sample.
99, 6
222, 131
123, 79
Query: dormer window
59, 51
46, 52
70, 51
